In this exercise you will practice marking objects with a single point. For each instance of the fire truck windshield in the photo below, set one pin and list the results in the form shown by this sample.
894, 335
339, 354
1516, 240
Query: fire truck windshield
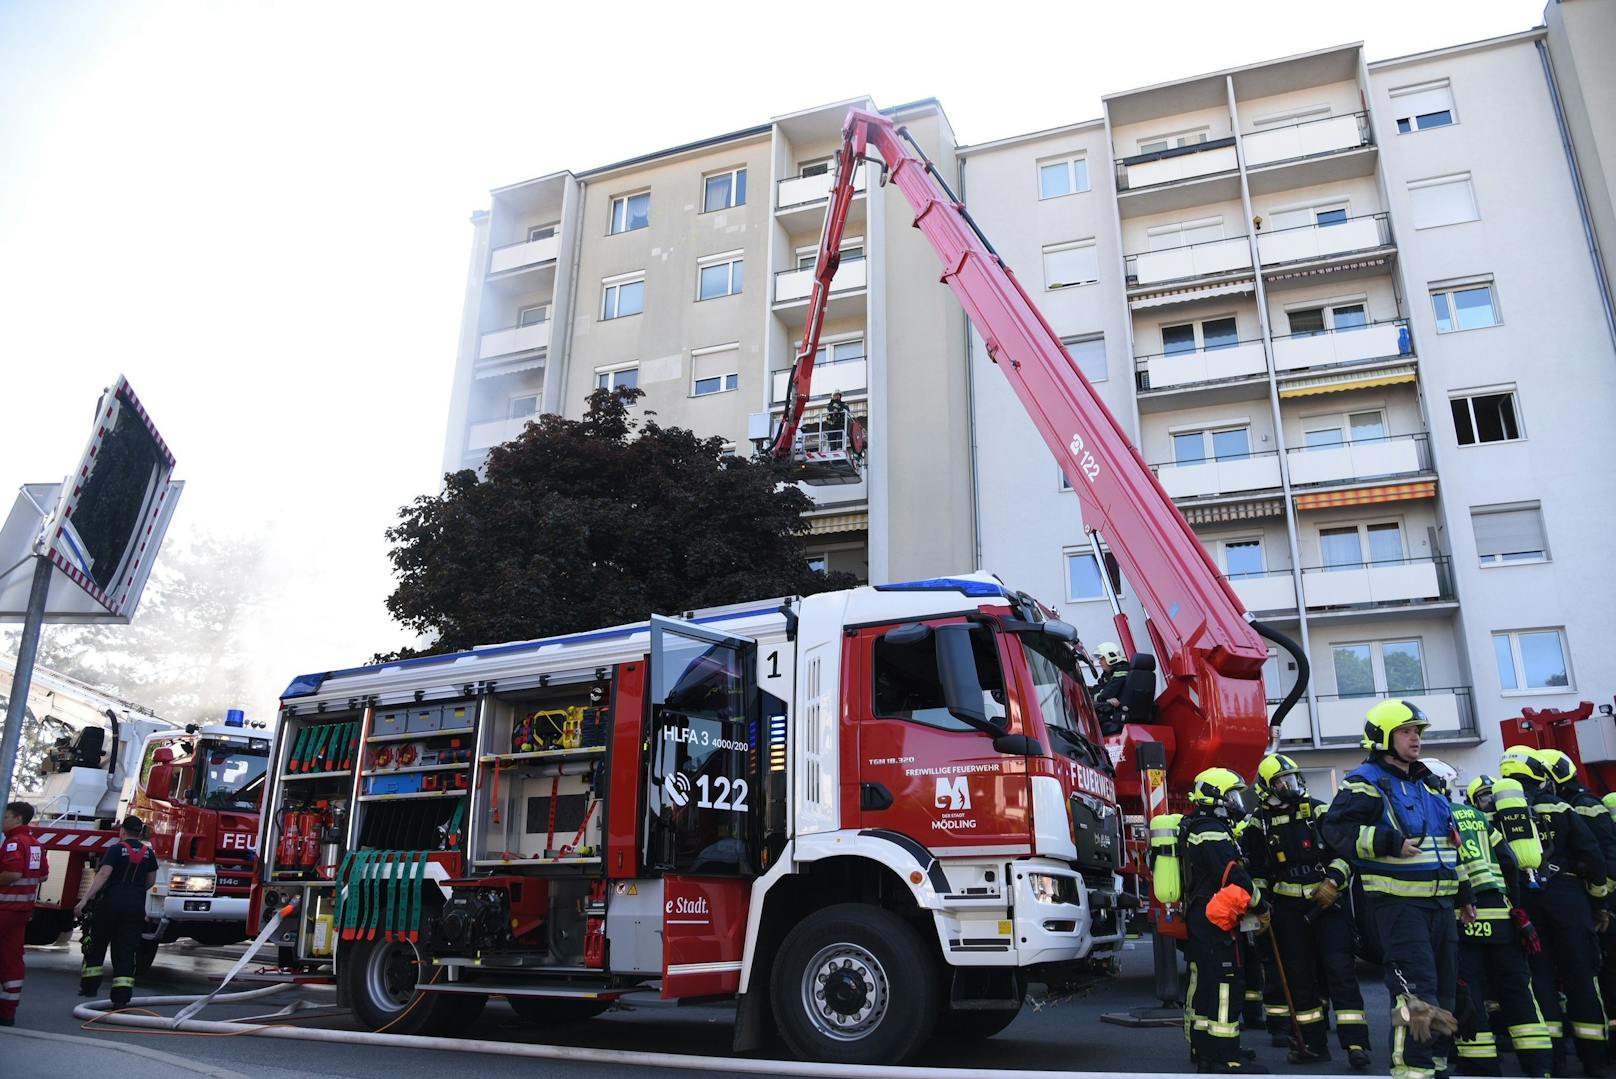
233, 777
1058, 689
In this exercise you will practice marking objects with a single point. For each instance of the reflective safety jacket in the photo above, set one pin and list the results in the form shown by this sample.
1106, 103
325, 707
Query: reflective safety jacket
1603, 827
1376, 809
1287, 855
20, 854
1485, 864
1569, 846
1212, 860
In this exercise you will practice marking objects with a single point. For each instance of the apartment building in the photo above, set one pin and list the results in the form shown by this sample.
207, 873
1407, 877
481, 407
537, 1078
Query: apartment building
1356, 314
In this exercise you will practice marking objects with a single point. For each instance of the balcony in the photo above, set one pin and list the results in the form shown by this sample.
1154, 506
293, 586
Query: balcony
481, 436
1451, 711
1220, 476
1217, 363
1306, 243
1378, 584
1308, 139
1176, 164
793, 286
528, 253
1188, 262
849, 376
1298, 726
795, 191
514, 339
1364, 459
1381, 341
1274, 590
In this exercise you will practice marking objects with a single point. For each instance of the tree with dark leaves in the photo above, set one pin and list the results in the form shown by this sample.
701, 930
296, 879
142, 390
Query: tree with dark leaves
578, 524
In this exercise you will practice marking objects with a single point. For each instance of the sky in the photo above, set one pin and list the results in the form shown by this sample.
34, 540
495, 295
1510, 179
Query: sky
259, 212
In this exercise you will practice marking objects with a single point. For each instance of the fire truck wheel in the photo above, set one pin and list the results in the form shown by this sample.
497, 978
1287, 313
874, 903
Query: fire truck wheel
854, 984
145, 957
46, 927
546, 1012
380, 977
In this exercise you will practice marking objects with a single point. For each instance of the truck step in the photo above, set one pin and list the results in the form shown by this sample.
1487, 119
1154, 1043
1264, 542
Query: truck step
525, 989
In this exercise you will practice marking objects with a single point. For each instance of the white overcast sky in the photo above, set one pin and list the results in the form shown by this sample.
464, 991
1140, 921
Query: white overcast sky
258, 211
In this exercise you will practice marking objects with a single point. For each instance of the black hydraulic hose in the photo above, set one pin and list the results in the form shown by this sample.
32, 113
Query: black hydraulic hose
1302, 669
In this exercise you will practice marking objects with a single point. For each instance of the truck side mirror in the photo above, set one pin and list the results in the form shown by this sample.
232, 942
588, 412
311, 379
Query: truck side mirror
962, 688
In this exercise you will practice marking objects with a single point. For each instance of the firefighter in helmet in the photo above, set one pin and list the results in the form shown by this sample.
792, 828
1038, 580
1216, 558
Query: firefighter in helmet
1312, 930
1399, 836
1218, 893
1108, 694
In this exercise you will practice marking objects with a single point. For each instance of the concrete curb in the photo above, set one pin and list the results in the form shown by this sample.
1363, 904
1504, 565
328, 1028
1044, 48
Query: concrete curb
179, 1063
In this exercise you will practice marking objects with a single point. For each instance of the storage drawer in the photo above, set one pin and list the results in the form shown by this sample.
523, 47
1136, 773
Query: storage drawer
424, 717
391, 721
408, 783
458, 717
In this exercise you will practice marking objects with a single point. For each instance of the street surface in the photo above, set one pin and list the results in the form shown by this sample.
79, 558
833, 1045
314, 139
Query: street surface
1063, 1037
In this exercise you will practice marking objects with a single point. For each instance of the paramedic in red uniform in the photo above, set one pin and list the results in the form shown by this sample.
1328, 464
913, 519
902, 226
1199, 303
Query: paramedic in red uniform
22, 871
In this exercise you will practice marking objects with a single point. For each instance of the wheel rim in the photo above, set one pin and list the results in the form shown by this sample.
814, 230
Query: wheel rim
390, 976
845, 992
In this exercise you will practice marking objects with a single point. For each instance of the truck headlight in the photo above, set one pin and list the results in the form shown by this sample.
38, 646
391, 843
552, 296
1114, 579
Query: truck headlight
1048, 888
190, 884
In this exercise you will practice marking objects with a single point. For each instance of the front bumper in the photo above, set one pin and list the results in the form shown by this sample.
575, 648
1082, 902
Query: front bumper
1059, 932
198, 908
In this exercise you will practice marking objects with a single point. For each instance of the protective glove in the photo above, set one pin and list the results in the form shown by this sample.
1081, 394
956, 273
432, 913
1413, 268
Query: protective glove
1325, 893
1424, 1020
1601, 920
1465, 1012
1530, 943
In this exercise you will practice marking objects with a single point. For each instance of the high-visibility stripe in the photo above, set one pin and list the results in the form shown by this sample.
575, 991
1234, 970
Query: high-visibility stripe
10, 996
1366, 841
1411, 889
1280, 1011
1314, 1016
123, 983
92, 972
1350, 1017
1595, 1032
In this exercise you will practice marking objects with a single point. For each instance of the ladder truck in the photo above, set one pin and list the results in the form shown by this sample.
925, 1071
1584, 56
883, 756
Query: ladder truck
867, 815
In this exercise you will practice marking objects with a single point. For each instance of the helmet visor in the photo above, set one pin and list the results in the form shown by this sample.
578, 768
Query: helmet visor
1288, 785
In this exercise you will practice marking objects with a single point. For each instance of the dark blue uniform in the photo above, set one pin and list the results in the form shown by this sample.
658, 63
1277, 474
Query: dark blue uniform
118, 918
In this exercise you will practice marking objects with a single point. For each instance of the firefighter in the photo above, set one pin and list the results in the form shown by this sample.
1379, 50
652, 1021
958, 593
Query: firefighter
1256, 961
836, 422
1563, 774
1607, 944
1108, 694
1493, 948
22, 870
1218, 891
1399, 837
1312, 933
119, 897
1560, 907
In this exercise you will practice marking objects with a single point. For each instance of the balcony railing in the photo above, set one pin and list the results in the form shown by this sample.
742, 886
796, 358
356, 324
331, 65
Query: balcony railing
1190, 261
481, 436
793, 285
1360, 459
849, 376
1220, 476
1352, 344
796, 191
1306, 242
1271, 590
1187, 367
526, 253
514, 339
1298, 726
1178, 163
1310, 138
1450, 709
1387, 582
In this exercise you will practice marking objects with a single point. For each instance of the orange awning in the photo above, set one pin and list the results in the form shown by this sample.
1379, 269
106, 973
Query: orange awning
1389, 376
1364, 496
838, 522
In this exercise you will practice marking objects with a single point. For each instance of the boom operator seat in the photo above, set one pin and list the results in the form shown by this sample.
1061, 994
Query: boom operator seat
1138, 701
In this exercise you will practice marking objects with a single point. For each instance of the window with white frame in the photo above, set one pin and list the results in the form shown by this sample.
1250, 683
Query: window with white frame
840, 350
723, 190
1242, 558
1442, 200
1155, 144
819, 166
1222, 443
541, 232
719, 275
1466, 305
1305, 321
1209, 334
852, 250
1508, 534
1486, 415
1063, 176
524, 406
630, 212
818, 562
1532, 660
715, 370
1338, 429
1334, 212
1089, 353
618, 378
533, 315
1378, 668
1291, 117
1421, 107
1345, 547
1184, 233
622, 296
1083, 582
1069, 264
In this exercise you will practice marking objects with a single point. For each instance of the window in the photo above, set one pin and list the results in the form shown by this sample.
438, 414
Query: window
532, 316
817, 167
1071, 264
1464, 307
1326, 213
1306, 321
1215, 333
1343, 547
1089, 352
1354, 670
1184, 233
1404, 666
1219, 333
1323, 431
1482, 416
714, 370
622, 297
540, 232
1531, 659
908, 686
630, 212
723, 190
1242, 559
1177, 340
1064, 177
718, 275
1158, 143
834, 352
1378, 668
524, 406
1083, 578
1507, 534
1221, 444
1427, 105
818, 563
851, 251
1442, 200
620, 378
1292, 116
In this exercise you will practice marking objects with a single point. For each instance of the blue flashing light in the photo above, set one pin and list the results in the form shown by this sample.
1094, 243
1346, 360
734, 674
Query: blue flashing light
974, 589
235, 717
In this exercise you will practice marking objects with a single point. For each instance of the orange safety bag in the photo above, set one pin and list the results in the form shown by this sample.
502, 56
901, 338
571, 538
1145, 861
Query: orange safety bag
1228, 903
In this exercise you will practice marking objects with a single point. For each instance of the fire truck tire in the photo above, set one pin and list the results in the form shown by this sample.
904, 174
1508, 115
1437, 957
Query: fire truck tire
46, 926
854, 984
380, 981
547, 1012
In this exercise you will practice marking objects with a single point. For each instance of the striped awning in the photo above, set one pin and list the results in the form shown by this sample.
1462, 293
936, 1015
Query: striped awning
1364, 496
839, 522
1186, 295
1255, 509
510, 367
1363, 380
1334, 267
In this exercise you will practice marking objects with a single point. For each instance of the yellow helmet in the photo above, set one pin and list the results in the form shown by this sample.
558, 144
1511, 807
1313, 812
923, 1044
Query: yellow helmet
1386, 717
1280, 778
1522, 762
1110, 651
1610, 801
1216, 787
1480, 790
1561, 768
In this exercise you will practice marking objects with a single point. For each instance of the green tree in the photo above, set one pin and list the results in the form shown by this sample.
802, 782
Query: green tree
592, 522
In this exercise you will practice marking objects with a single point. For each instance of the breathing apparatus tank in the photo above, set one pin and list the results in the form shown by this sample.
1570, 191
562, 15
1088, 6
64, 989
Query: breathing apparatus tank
1166, 872
1513, 815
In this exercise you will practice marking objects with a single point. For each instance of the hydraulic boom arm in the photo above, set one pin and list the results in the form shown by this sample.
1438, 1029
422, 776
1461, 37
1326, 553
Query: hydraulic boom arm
1210, 656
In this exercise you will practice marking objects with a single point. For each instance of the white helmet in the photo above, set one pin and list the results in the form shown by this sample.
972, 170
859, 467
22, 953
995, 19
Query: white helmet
1110, 652
1443, 777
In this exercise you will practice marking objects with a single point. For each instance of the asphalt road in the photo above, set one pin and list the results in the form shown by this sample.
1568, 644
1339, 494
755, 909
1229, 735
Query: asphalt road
1066, 1036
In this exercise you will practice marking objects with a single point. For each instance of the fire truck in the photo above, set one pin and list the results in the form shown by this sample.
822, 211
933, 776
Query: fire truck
197, 789
866, 814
